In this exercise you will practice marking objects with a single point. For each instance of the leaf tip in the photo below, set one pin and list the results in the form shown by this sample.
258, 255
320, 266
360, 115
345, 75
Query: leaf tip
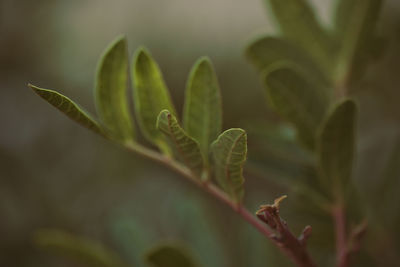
33, 87
141, 54
116, 46
239, 130
164, 114
121, 37
203, 62
349, 103
119, 41
348, 106
40, 91
253, 43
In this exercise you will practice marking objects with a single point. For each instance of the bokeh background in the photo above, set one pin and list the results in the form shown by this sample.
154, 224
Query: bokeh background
55, 174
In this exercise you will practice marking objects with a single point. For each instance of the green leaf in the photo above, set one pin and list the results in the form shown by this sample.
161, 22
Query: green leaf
202, 116
268, 51
170, 256
187, 148
299, 24
80, 249
229, 151
336, 145
298, 99
151, 95
69, 108
355, 22
111, 89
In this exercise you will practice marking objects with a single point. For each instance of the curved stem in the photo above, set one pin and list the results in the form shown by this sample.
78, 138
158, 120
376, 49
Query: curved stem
301, 258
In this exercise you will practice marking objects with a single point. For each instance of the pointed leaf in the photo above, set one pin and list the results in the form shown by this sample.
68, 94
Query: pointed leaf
151, 95
68, 107
229, 151
187, 148
336, 146
298, 99
110, 91
202, 116
170, 256
355, 23
81, 249
269, 51
299, 24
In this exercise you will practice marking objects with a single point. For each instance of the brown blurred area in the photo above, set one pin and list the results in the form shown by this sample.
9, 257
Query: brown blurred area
55, 174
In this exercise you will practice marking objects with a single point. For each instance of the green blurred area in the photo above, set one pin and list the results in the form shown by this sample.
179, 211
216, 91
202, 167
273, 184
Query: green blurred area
55, 174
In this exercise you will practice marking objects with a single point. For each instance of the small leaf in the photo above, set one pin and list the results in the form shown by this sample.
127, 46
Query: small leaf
187, 147
229, 151
298, 99
81, 249
336, 146
170, 256
151, 95
111, 89
69, 108
355, 22
202, 116
269, 51
299, 24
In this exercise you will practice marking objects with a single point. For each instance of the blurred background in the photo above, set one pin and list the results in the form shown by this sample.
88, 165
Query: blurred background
56, 174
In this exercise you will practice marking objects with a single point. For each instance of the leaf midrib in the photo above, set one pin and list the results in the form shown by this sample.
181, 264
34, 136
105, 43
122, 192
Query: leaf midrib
187, 163
227, 164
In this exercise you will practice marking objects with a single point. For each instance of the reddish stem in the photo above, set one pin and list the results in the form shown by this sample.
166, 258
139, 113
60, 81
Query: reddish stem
295, 247
342, 259
290, 246
297, 254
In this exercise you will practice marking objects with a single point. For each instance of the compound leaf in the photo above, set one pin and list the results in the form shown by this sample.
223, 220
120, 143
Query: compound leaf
81, 249
151, 95
202, 116
299, 24
68, 107
111, 89
301, 101
170, 256
336, 145
229, 151
187, 148
268, 51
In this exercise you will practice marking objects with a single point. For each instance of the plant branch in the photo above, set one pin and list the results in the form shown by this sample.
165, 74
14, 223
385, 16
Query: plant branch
346, 244
291, 246
339, 216
269, 214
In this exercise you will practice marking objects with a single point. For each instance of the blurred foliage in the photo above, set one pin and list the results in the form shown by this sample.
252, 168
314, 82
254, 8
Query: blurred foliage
96, 190
86, 251
169, 256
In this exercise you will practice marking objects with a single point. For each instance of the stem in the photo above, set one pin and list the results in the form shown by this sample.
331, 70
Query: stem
300, 258
339, 216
